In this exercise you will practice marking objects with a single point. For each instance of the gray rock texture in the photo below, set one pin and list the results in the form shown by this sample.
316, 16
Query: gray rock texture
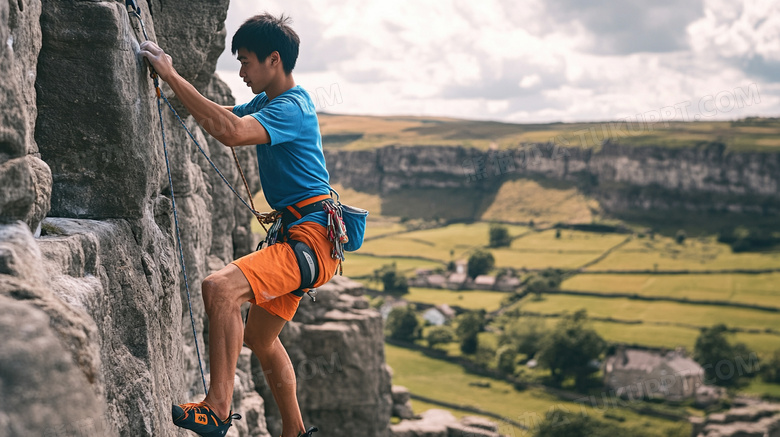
621, 177
49, 363
402, 402
25, 178
441, 423
106, 344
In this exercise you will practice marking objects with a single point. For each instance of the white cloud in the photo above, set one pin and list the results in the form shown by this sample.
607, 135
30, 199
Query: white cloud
533, 61
530, 81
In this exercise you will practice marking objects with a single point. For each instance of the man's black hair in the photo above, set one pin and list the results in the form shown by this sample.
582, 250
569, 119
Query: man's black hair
264, 34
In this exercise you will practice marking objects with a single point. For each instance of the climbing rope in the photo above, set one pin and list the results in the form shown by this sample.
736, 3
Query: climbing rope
134, 9
178, 234
262, 218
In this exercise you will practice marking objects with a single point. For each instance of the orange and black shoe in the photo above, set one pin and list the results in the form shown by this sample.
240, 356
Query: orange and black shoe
199, 419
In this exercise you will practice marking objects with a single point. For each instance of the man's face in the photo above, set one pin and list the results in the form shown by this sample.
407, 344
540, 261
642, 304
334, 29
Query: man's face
256, 74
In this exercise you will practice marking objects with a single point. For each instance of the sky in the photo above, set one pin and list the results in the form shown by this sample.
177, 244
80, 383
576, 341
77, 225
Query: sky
531, 61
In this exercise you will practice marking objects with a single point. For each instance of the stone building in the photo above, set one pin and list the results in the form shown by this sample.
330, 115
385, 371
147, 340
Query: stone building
635, 374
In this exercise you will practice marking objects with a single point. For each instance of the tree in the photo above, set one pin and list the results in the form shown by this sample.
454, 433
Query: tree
544, 281
402, 324
770, 372
469, 325
499, 236
524, 334
570, 348
439, 335
392, 281
720, 359
506, 356
742, 238
480, 263
680, 236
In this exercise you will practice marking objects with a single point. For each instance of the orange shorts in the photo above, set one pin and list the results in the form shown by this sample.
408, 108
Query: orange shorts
273, 272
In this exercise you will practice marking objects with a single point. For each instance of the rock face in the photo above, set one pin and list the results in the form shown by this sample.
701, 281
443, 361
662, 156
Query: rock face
97, 338
25, 178
621, 177
48, 386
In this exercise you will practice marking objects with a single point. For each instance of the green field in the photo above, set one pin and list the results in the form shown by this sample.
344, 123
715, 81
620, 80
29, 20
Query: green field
448, 382
544, 202
539, 250
657, 312
759, 289
569, 241
664, 253
468, 299
530, 249
359, 265
541, 259
667, 336
443, 244
375, 229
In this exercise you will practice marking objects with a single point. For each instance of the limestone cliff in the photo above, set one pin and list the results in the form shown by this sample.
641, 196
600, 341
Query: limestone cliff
622, 177
96, 331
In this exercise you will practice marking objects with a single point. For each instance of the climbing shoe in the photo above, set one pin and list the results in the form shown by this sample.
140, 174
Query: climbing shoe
199, 419
309, 432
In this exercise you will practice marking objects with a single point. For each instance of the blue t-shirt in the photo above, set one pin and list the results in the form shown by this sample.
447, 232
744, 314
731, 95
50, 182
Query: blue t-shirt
292, 165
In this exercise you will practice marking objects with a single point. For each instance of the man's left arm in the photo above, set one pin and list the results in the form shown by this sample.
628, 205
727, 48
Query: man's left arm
219, 121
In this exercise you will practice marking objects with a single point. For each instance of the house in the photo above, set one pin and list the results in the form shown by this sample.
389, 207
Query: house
418, 281
446, 310
484, 282
434, 317
635, 374
436, 281
456, 281
507, 283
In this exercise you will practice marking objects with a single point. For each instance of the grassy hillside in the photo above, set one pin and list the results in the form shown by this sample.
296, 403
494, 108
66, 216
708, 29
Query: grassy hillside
642, 287
421, 374
365, 132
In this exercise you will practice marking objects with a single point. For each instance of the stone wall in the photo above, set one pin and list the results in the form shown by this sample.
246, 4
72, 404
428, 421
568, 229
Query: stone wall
747, 418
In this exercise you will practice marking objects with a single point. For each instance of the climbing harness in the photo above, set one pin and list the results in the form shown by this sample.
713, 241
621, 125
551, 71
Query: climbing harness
305, 256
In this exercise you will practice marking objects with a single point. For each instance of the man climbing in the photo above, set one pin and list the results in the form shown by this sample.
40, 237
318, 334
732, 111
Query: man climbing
282, 122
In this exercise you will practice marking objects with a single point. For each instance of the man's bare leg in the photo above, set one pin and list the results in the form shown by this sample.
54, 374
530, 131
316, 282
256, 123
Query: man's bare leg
262, 336
223, 294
